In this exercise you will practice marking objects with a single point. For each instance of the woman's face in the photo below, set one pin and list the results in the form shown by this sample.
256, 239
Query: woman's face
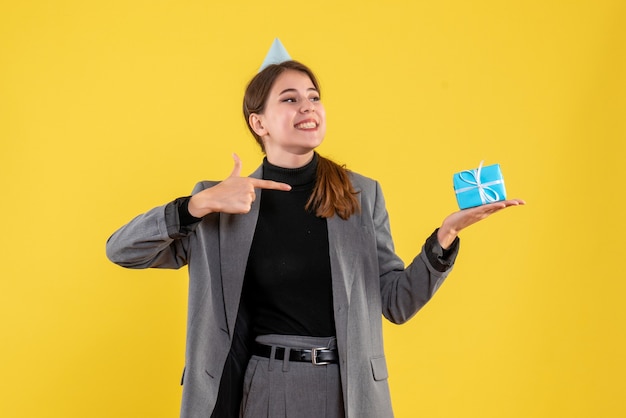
293, 123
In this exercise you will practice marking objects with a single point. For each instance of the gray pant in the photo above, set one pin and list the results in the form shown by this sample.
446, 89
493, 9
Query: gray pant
288, 389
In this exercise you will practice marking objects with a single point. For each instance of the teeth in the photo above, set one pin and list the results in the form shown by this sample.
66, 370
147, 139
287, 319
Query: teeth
306, 125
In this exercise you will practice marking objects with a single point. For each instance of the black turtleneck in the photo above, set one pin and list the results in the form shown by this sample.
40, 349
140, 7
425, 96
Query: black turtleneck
288, 281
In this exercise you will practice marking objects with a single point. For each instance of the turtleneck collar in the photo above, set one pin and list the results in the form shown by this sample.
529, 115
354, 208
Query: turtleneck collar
293, 176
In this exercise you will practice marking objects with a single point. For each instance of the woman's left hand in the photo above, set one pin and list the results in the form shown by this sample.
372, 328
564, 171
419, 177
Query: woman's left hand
457, 221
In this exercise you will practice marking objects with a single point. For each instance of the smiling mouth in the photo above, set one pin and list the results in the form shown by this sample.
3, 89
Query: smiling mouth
306, 125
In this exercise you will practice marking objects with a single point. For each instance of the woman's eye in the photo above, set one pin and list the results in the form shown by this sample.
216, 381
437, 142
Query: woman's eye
295, 99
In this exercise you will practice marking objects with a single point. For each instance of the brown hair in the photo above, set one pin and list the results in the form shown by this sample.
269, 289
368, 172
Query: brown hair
333, 192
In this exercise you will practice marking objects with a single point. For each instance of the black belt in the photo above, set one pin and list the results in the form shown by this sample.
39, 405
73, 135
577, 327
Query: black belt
316, 356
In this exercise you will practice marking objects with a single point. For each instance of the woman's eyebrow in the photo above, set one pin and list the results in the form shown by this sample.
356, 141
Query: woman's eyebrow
292, 90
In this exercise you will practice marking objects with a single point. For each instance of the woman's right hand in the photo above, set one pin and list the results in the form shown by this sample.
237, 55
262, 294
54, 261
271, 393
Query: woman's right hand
233, 195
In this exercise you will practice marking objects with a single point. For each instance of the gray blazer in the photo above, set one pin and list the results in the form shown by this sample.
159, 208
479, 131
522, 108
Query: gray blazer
368, 279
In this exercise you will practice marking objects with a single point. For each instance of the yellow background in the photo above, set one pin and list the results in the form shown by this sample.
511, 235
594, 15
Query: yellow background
108, 108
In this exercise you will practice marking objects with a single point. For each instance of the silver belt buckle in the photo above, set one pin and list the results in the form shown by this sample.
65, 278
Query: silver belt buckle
314, 352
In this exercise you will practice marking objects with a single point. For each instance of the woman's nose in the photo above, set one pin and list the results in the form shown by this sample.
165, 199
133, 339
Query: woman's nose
307, 106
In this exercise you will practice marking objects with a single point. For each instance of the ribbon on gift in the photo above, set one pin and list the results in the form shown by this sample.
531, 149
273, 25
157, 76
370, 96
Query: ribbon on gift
487, 194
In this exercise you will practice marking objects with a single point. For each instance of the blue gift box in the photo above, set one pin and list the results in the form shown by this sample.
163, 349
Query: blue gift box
479, 186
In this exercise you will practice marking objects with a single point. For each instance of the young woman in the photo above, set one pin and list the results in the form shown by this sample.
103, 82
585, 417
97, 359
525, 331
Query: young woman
291, 270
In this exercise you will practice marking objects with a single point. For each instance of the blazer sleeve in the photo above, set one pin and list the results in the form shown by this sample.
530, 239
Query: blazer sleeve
405, 290
154, 239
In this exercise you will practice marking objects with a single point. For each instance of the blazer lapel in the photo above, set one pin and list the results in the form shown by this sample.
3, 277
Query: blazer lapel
344, 238
236, 233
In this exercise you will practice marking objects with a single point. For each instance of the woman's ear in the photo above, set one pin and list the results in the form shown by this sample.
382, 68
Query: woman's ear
256, 123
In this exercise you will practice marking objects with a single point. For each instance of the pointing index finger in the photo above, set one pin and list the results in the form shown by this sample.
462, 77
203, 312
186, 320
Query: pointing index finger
270, 184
